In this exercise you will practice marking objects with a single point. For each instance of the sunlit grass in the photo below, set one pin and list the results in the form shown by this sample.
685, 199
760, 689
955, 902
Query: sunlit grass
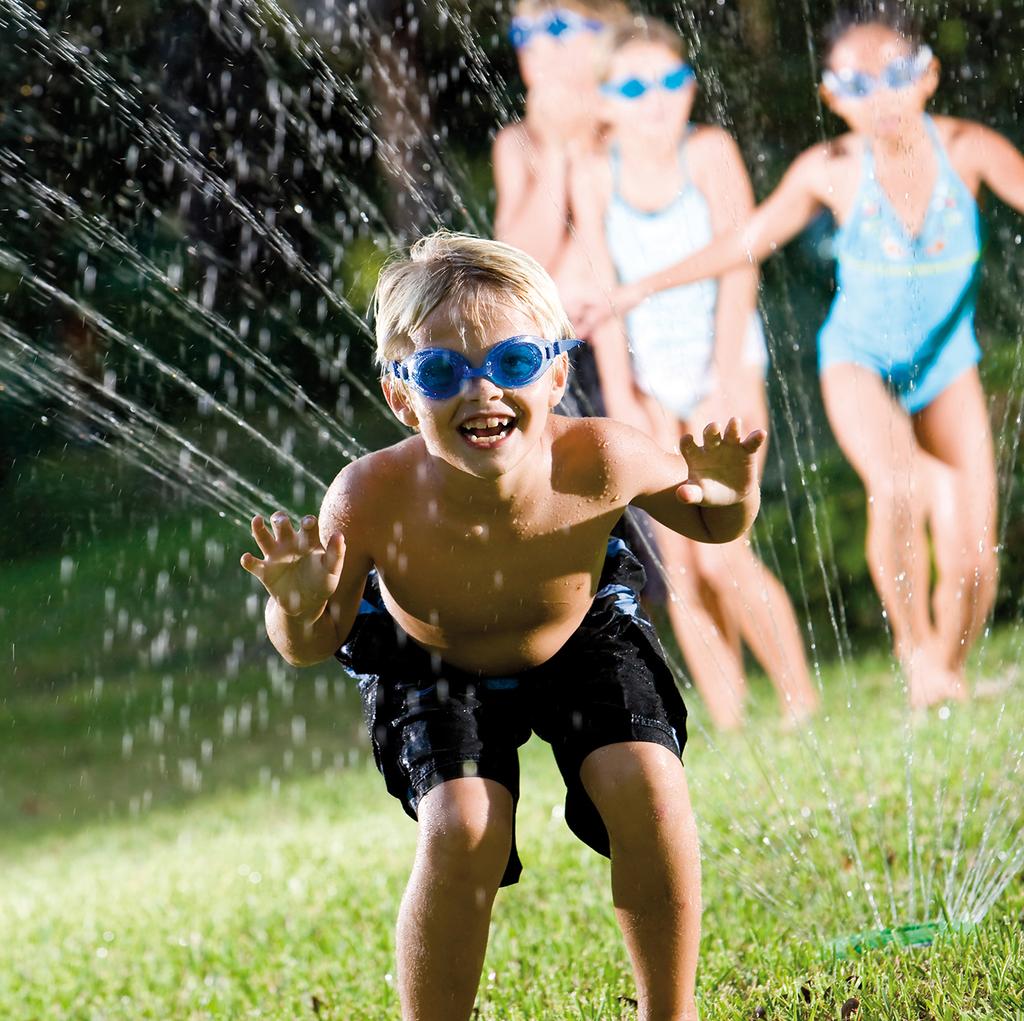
268, 886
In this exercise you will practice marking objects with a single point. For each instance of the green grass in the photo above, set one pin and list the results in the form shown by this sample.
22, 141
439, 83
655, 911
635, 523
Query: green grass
144, 877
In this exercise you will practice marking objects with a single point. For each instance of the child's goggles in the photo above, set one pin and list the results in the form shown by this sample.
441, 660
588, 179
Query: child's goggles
634, 88
557, 24
897, 74
438, 372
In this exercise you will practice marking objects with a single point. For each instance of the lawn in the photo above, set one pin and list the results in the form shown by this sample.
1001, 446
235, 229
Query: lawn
191, 830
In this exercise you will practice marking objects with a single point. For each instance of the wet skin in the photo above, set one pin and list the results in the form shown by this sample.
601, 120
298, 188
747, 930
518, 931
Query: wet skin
489, 554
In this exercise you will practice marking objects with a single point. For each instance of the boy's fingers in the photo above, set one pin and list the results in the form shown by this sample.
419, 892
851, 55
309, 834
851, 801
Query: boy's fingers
732, 430
690, 492
334, 556
687, 442
712, 434
282, 526
263, 536
309, 535
253, 565
754, 440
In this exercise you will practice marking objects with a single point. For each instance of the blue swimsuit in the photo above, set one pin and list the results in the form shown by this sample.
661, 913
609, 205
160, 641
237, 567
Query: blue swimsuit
904, 305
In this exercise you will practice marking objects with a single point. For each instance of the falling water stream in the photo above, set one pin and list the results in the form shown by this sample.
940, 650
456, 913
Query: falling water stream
218, 269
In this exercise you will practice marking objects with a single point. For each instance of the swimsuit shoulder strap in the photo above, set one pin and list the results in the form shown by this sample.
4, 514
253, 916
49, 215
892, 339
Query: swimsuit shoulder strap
684, 163
615, 161
867, 161
940, 149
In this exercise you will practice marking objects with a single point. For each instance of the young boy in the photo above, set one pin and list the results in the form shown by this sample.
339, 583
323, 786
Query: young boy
466, 577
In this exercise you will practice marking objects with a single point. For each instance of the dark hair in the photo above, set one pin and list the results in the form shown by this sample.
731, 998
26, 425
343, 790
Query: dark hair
891, 14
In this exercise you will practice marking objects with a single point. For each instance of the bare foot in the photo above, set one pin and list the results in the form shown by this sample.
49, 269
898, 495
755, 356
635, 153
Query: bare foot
930, 682
797, 716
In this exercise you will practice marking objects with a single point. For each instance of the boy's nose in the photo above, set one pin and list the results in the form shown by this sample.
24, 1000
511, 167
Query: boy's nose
481, 386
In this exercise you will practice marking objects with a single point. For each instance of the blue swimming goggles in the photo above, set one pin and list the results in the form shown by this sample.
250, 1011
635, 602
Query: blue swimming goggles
557, 24
438, 372
634, 88
897, 74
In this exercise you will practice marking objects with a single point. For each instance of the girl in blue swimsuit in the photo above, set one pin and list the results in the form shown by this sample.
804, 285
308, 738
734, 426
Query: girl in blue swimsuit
897, 355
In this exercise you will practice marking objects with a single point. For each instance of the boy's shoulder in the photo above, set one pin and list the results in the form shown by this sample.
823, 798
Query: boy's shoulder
600, 451
363, 485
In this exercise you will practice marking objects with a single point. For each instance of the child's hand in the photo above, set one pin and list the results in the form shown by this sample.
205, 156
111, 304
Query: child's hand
296, 570
591, 311
557, 113
723, 470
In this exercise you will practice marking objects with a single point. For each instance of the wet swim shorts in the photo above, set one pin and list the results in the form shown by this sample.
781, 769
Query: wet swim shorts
430, 722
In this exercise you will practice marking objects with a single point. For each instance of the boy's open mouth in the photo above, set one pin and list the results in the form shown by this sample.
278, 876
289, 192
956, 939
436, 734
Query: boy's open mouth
487, 430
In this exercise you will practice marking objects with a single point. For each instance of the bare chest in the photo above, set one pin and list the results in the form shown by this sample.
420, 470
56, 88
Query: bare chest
486, 575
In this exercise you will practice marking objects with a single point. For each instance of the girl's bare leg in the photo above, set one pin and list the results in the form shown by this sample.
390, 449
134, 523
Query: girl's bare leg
712, 660
752, 603
956, 432
877, 437
712, 654
465, 833
640, 790
756, 599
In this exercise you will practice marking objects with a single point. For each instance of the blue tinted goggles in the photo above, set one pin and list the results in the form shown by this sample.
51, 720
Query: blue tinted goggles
634, 88
438, 372
898, 74
559, 25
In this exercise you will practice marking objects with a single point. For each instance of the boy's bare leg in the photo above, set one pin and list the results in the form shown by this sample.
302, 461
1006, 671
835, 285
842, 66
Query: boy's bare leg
465, 832
640, 790
955, 431
756, 599
877, 437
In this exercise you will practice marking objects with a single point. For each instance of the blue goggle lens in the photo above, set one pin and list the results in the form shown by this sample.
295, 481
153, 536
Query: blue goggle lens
437, 372
517, 365
678, 78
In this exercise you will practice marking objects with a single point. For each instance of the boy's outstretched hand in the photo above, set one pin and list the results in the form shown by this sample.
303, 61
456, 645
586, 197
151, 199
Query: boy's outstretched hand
723, 470
296, 570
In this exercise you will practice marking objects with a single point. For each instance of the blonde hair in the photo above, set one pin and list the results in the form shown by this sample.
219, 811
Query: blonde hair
641, 29
478, 277
609, 11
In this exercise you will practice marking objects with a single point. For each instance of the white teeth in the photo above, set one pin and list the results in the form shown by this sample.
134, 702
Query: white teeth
485, 423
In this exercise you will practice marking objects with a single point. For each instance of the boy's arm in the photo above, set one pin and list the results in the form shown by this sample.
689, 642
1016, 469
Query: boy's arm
314, 577
999, 164
709, 493
530, 182
778, 219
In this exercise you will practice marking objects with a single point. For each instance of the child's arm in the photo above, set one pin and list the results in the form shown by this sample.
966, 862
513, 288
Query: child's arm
314, 586
999, 164
778, 219
718, 171
590, 187
531, 185
710, 493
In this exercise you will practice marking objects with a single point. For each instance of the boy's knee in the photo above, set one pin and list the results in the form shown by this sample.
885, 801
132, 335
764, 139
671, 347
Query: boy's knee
639, 790
466, 829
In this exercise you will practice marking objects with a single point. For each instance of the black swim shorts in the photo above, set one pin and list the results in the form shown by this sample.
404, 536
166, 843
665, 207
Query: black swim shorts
430, 722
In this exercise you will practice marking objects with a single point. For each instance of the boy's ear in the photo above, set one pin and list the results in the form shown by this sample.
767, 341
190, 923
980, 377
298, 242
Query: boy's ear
826, 96
559, 379
397, 397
